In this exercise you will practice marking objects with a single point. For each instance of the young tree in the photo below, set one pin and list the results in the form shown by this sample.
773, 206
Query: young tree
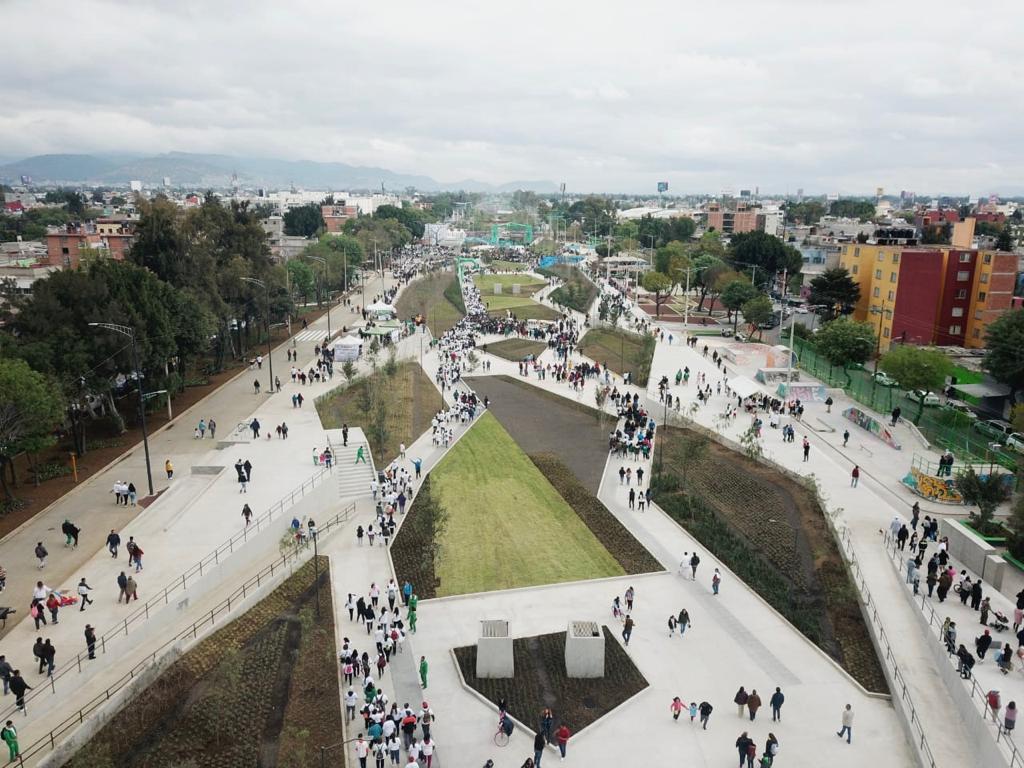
1004, 356
660, 285
984, 491
302, 278
835, 289
348, 370
844, 342
30, 408
735, 294
920, 368
757, 310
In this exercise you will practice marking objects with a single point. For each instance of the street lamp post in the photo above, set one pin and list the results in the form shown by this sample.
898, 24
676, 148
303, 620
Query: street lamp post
880, 311
313, 534
327, 288
127, 330
270, 352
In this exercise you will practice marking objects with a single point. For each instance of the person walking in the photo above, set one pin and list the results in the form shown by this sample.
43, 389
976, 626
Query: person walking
49, 656
41, 555
5, 673
740, 699
771, 749
169, 469
90, 640
538, 749
716, 581
776, 702
847, 724
694, 562
344, 435
743, 745
122, 584
855, 476
18, 688
676, 707
10, 736
130, 590
360, 455
807, 448
562, 736
423, 671
247, 466
246, 514
846, 437
113, 542
627, 629
83, 593
753, 704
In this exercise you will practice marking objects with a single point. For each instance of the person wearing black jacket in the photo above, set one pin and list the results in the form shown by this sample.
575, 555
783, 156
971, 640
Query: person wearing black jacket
776, 703
113, 542
538, 748
18, 688
90, 640
982, 644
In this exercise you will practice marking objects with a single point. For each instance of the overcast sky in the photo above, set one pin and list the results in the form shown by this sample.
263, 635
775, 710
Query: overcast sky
827, 95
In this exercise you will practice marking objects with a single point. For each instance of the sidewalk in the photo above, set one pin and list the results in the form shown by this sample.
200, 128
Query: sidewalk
91, 505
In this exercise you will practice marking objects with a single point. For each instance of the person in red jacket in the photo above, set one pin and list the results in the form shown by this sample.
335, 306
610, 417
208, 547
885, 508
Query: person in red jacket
562, 735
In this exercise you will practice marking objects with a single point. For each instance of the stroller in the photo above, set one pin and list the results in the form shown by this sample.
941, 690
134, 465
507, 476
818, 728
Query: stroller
1000, 623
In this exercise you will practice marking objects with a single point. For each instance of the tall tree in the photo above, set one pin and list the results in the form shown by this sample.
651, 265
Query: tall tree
660, 285
919, 368
986, 492
844, 342
767, 252
734, 294
1004, 354
30, 409
1004, 240
835, 289
757, 311
303, 220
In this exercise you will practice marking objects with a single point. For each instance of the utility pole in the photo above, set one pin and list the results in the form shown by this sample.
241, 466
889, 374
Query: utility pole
270, 351
127, 330
686, 306
323, 261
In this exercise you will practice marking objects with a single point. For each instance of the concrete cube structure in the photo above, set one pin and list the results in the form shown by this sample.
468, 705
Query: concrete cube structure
494, 650
584, 649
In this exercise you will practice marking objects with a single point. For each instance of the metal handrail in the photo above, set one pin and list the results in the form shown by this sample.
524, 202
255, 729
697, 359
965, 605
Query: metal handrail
1015, 755
143, 613
49, 741
890, 659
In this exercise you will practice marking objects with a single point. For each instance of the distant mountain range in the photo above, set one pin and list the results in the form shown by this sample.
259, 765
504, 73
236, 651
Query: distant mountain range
193, 170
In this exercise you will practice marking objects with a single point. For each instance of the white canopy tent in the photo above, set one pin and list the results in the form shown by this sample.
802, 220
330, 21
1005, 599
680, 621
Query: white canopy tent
744, 387
346, 348
379, 308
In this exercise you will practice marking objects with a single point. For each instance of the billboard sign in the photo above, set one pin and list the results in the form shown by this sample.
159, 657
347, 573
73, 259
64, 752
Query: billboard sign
662, 187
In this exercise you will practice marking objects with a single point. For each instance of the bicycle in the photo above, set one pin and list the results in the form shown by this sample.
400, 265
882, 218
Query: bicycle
501, 736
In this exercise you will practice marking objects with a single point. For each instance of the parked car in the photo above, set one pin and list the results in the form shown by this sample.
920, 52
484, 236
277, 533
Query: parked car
727, 332
930, 398
995, 428
885, 379
961, 408
740, 337
1016, 442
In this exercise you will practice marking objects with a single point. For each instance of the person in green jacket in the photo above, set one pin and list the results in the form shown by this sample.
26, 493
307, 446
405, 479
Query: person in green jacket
423, 671
360, 456
10, 735
412, 621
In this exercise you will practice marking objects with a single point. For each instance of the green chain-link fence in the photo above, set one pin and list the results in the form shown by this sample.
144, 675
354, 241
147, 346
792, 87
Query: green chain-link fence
943, 427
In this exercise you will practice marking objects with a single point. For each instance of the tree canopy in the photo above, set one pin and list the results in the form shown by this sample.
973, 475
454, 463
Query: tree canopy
767, 252
1004, 354
845, 342
31, 408
659, 284
303, 220
757, 311
734, 294
851, 208
921, 368
835, 289
410, 218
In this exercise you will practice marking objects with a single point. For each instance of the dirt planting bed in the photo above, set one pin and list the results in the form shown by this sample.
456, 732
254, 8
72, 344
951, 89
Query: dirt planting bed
771, 531
540, 681
261, 691
544, 422
516, 349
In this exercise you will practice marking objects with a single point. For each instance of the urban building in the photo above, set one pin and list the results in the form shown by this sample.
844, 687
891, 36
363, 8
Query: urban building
111, 237
743, 218
336, 215
283, 247
930, 295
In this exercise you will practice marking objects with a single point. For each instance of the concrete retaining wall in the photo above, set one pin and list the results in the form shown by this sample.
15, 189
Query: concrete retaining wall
974, 552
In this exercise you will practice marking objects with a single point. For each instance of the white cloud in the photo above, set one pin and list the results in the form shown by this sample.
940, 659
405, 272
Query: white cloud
824, 96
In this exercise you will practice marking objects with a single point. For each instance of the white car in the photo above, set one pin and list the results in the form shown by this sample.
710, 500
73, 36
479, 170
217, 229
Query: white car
930, 398
1016, 442
885, 379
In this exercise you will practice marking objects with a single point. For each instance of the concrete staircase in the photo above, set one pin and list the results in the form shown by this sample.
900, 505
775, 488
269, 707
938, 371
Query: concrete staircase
353, 479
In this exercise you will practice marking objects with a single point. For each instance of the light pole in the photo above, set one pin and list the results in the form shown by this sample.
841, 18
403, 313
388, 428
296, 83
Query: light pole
127, 330
881, 312
316, 564
327, 288
270, 352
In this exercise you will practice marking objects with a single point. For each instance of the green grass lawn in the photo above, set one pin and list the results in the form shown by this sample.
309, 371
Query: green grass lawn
507, 525
507, 266
527, 284
411, 401
516, 349
620, 351
426, 296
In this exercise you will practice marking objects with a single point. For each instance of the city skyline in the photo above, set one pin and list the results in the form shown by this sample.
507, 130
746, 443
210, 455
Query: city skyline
836, 99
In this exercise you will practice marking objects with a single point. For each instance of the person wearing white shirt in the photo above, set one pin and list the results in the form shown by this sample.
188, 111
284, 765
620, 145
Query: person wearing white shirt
350, 705
41, 591
362, 749
427, 747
